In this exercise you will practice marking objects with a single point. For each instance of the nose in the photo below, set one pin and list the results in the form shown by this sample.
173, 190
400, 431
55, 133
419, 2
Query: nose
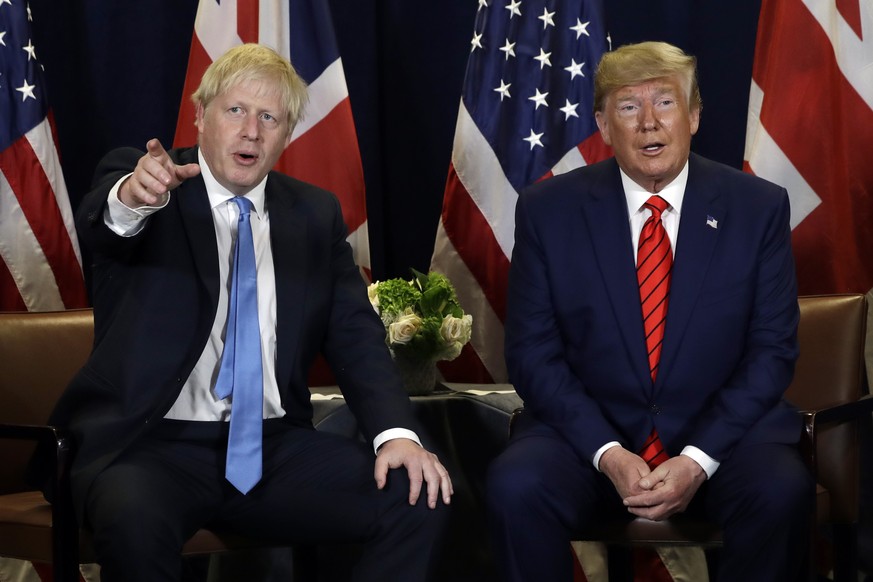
251, 128
648, 120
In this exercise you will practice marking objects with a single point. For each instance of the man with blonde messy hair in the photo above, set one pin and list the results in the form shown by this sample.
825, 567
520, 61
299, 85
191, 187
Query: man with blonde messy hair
156, 426
651, 330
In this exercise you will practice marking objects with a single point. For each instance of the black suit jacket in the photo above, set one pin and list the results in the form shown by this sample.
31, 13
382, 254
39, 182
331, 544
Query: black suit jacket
155, 297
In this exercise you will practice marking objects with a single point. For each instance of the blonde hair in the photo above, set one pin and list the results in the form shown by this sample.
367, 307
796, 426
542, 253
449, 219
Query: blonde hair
254, 62
633, 64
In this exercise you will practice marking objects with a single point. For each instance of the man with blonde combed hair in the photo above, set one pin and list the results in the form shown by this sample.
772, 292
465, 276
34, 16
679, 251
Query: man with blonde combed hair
248, 62
651, 330
154, 460
638, 63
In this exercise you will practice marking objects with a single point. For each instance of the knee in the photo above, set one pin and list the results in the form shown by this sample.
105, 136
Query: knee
511, 486
790, 495
418, 517
781, 497
128, 524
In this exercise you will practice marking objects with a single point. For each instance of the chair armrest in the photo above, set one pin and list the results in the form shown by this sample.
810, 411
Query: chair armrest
55, 445
838, 414
34, 432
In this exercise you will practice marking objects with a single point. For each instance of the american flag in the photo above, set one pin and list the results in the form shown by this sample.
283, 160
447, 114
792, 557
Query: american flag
810, 129
41, 267
525, 114
324, 148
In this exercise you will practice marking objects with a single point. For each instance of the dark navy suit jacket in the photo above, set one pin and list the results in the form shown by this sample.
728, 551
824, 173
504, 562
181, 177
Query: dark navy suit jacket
575, 346
155, 297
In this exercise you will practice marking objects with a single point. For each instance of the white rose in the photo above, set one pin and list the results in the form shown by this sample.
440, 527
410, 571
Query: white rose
456, 329
404, 328
373, 295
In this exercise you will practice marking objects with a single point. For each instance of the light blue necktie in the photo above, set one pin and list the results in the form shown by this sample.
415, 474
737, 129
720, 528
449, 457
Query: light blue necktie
241, 375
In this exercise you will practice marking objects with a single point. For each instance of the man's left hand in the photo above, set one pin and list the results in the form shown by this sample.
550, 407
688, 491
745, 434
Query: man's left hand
668, 489
421, 466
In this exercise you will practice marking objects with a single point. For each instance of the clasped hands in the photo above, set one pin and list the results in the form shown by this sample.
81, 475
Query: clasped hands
653, 494
153, 178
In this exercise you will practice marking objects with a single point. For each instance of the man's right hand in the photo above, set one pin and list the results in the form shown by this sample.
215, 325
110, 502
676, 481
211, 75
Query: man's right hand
153, 178
624, 469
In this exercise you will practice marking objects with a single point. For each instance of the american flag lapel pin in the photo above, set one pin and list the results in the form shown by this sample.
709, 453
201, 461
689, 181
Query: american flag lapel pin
711, 222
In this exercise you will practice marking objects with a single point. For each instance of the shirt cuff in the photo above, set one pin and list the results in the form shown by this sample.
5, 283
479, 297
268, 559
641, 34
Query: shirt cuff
394, 433
601, 450
707, 463
122, 219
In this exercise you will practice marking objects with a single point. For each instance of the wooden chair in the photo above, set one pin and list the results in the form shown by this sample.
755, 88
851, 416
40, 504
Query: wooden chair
830, 389
39, 354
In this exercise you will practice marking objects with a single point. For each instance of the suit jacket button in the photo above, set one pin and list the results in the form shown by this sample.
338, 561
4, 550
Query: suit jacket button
655, 409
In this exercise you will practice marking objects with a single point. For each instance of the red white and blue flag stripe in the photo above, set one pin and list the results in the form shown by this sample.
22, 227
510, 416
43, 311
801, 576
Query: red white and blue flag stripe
525, 114
41, 266
810, 129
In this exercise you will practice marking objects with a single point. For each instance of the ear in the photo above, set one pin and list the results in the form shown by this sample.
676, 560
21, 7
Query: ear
694, 119
603, 126
198, 117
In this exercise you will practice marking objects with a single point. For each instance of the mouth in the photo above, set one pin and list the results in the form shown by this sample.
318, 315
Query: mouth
652, 148
245, 158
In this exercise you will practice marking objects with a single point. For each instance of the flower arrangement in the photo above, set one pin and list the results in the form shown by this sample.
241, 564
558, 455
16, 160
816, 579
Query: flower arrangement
422, 316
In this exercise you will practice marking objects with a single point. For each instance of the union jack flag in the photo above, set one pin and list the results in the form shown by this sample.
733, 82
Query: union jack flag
810, 129
324, 147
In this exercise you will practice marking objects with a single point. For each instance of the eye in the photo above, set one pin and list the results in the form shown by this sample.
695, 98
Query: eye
268, 120
235, 109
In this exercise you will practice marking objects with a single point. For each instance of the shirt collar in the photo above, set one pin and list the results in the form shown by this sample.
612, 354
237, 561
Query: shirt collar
673, 193
219, 195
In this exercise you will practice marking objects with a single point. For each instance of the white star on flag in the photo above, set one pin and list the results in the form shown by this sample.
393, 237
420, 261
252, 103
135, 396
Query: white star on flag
26, 91
570, 110
539, 99
580, 28
547, 18
503, 89
543, 58
575, 69
534, 139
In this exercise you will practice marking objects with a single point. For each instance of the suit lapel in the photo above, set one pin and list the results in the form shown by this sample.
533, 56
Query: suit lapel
702, 213
288, 231
608, 222
199, 227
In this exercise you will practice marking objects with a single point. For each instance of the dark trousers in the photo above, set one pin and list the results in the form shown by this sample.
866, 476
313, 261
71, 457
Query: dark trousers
540, 492
316, 487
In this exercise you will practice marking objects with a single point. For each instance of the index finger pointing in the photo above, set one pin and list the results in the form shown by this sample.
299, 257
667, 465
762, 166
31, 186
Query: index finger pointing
156, 149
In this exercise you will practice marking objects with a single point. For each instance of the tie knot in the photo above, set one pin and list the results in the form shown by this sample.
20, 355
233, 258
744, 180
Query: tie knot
657, 205
245, 206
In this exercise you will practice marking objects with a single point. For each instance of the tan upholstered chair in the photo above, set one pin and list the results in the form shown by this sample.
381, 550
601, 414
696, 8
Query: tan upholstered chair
39, 353
830, 389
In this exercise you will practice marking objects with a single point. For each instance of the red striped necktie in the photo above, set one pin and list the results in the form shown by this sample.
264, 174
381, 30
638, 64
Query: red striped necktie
654, 267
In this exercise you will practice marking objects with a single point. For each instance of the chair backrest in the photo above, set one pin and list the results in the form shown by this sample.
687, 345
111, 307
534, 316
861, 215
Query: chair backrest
39, 354
831, 371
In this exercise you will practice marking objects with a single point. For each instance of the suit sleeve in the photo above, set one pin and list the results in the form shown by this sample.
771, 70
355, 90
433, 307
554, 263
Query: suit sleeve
355, 348
90, 225
535, 351
754, 390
